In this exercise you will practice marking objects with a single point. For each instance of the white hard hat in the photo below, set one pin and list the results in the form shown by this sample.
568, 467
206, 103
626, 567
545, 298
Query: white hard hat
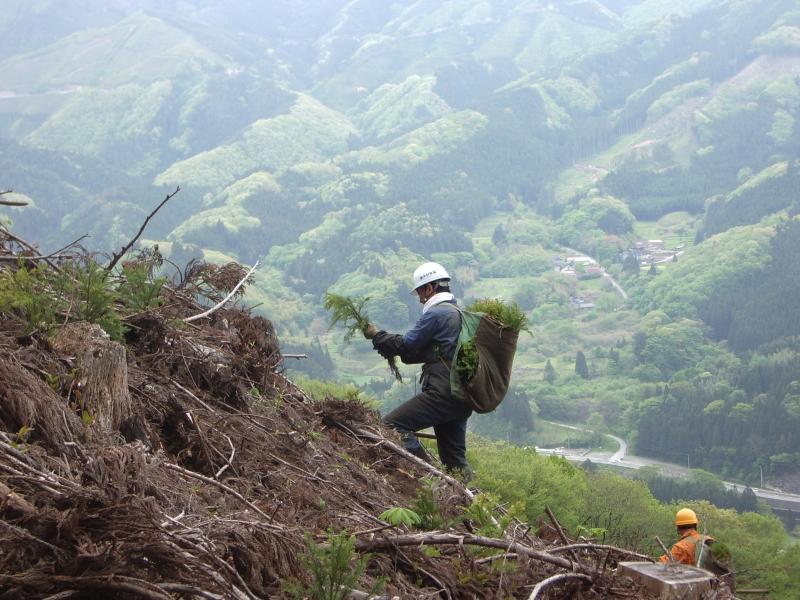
428, 272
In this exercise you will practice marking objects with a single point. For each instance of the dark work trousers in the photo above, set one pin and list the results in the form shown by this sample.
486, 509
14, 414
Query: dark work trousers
434, 407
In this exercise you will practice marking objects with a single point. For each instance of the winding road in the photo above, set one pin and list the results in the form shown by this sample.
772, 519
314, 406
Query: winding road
621, 458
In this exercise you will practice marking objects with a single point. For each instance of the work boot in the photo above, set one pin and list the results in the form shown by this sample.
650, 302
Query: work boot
463, 473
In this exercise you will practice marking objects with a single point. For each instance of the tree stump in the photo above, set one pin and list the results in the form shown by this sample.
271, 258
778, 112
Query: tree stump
102, 374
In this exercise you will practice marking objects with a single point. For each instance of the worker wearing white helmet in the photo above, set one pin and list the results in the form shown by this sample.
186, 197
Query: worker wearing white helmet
432, 341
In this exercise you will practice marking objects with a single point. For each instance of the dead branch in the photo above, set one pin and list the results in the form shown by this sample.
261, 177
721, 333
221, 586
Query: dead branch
12, 202
220, 485
118, 583
670, 558
490, 559
33, 258
201, 546
406, 454
182, 588
70, 245
192, 396
571, 547
27, 246
230, 459
118, 255
224, 300
23, 533
562, 536
556, 579
439, 539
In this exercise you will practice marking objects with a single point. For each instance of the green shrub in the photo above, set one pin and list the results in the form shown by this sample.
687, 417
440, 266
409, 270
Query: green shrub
24, 292
401, 516
138, 288
335, 570
43, 297
428, 509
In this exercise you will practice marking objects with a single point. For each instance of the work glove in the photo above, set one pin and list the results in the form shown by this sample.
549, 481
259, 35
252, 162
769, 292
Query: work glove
371, 331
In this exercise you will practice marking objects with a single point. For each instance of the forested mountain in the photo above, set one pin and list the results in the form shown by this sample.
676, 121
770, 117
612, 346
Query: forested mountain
342, 142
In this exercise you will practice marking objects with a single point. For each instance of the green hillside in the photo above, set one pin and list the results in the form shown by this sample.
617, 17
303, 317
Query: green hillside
309, 132
138, 49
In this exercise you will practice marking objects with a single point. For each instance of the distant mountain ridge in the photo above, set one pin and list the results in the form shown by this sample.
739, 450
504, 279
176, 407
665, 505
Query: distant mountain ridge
445, 108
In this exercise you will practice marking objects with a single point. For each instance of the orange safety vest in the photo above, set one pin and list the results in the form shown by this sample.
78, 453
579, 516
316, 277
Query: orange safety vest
685, 550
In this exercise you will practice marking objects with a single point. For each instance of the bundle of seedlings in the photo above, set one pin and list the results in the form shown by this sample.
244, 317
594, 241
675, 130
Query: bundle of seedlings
351, 314
510, 316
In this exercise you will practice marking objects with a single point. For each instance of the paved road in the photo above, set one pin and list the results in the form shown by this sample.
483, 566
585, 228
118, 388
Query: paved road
620, 458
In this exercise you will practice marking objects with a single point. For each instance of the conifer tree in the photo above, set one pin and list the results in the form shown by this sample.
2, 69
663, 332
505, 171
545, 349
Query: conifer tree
549, 372
499, 237
581, 368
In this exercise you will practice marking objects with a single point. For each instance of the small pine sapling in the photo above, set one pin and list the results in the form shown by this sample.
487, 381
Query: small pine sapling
350, 313
334, 567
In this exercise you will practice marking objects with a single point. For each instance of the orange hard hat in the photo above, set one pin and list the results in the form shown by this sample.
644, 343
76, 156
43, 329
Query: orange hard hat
685, 516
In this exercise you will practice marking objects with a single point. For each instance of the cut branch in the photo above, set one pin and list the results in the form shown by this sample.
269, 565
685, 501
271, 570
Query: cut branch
562, 536
27, 246
439, 539
405, 454
544, 583
670, 558
224, 300
12, 202
220, 485
118, 255
24, 258
622, 551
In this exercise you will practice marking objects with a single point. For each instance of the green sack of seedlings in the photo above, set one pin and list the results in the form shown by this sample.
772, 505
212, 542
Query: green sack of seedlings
484, 356
350, 313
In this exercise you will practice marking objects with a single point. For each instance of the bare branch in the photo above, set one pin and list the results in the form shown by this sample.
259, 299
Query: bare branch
224, 300
562, 536
556, 579
219, 484
230, 460
103, 585
405, 454
622, 551
438, 539
24, 258
28, 246
117, 256
70, 245
670, 558
12, 202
